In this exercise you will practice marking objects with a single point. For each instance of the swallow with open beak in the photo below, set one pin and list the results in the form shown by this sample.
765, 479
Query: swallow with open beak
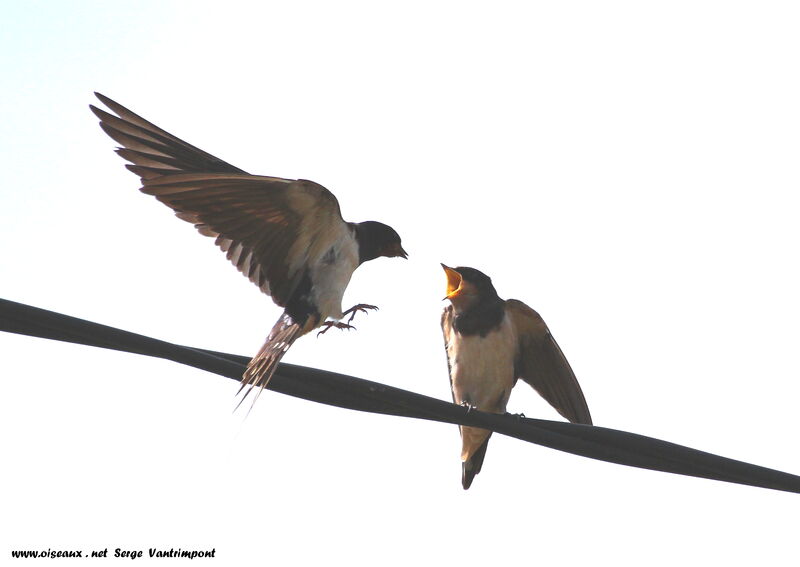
287, 236
490, 344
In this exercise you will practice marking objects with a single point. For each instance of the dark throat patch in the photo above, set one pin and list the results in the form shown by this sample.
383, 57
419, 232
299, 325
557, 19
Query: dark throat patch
482, 317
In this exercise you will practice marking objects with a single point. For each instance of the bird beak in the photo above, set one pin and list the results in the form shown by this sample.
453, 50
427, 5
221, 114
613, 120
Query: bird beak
397, 250
453, 282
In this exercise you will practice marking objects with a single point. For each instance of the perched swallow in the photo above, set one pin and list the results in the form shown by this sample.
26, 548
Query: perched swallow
287, 236
490, 344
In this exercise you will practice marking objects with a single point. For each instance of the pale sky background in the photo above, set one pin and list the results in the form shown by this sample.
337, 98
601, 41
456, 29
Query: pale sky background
628, 169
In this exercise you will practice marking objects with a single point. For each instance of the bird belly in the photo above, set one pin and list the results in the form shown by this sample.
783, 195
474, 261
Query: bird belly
483, 368
330, 277
482, 371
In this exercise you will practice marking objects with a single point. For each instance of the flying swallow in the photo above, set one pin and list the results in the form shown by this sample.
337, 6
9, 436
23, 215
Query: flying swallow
490, 344
287, 236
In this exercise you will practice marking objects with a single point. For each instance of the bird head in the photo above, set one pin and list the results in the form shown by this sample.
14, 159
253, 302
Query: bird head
467, 285
377, 239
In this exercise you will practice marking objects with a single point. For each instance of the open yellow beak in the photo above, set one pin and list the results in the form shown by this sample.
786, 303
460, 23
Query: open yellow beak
453, 282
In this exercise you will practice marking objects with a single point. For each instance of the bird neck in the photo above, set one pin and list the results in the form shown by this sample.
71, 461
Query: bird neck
481, 317
369, 246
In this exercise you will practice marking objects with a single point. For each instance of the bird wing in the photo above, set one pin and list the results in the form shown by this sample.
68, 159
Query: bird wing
541, 364
151, 150
270, 228
447, 331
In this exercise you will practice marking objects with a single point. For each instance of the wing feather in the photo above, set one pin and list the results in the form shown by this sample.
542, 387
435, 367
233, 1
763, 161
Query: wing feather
447, 331
270, 228
541, 364
259, 219
128, 127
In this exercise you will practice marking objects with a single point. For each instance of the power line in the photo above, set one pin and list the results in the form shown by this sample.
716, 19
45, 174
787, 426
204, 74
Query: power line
344, 391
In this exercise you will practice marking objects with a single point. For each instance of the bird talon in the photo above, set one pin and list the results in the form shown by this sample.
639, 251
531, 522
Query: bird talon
337, 324
356, 308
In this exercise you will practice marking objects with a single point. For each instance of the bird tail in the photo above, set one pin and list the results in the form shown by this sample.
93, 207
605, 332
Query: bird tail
472, 465
261, 368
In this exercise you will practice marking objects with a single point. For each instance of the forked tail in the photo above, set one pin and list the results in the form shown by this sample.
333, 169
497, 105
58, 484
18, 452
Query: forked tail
473, 464
261, 368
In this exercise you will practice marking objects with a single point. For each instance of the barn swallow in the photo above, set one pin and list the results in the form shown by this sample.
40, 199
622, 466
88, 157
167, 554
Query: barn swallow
287, 236
490, 344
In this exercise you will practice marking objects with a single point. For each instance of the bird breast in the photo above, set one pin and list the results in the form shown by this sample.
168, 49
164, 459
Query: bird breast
331, 273
482, 368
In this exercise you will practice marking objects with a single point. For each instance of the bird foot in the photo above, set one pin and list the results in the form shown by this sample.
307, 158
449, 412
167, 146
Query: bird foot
356, 308
468, 405
517, 415
337, 324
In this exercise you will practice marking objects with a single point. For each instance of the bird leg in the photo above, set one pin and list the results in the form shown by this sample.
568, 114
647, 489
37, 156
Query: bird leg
337, 324
352, 312
356, 308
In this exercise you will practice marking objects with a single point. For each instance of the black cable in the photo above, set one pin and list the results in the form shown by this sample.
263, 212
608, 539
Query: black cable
348, 392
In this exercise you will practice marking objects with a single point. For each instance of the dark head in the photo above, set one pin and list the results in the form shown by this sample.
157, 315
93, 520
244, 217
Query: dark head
376, 239
466, 286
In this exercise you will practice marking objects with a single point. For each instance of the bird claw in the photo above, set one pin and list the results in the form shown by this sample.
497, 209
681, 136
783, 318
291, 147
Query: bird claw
356, 308
468, 405
352, 312
517, 415
337, 324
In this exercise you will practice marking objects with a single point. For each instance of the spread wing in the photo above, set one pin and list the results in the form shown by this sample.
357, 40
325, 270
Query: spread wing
151, 150
447, 331
541, 364
270, 228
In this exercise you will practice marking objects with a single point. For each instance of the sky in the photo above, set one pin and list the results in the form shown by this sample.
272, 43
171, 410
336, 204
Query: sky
627, 169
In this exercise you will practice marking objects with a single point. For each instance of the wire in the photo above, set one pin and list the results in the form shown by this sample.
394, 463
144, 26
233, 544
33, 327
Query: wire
348, 392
